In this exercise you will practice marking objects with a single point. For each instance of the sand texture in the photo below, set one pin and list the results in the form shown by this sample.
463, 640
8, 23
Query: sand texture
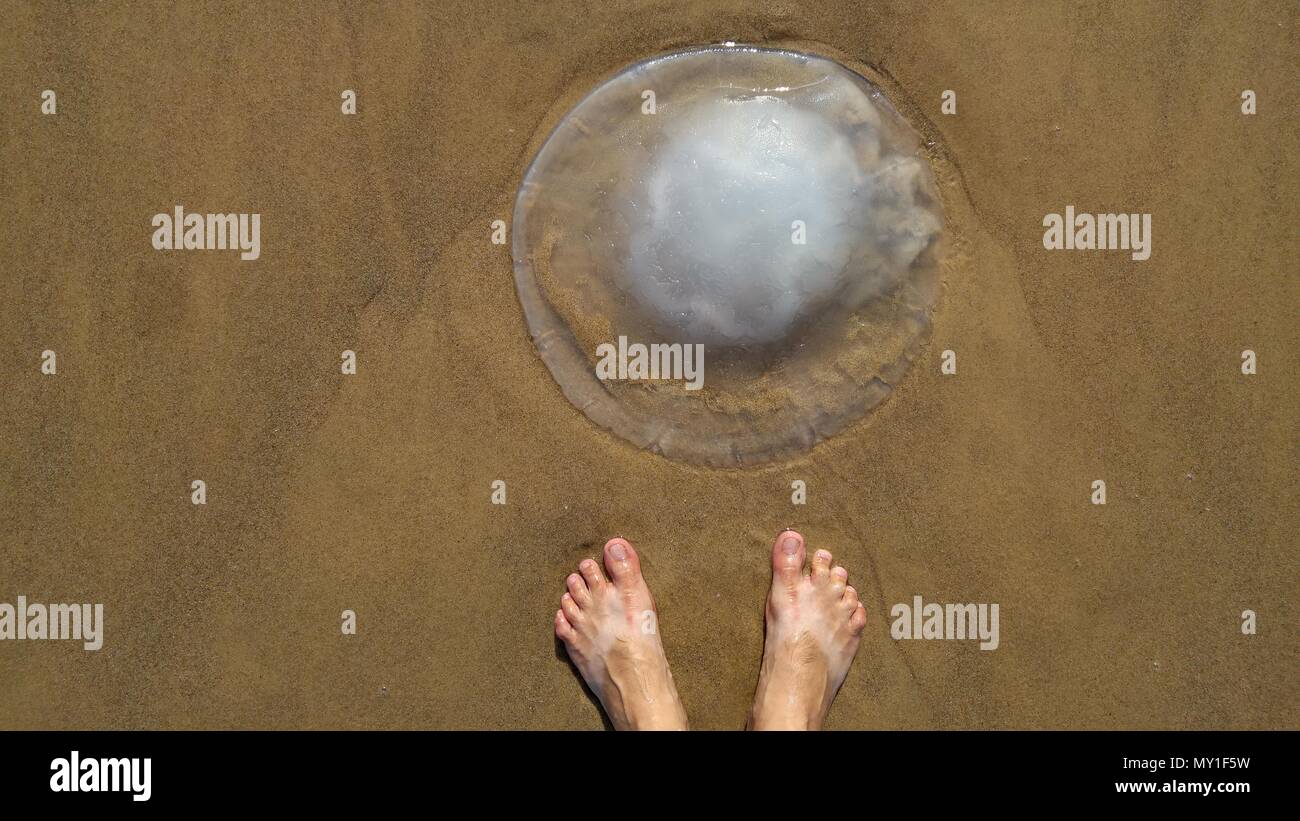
371, 492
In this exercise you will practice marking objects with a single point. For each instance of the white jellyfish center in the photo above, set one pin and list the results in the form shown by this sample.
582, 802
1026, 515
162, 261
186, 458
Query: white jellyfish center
752, 207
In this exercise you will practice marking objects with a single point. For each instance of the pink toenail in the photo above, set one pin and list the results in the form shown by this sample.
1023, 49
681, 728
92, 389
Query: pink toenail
790, 545
616, 552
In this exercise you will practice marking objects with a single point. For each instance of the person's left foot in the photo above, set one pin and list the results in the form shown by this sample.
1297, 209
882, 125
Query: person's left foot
611, 630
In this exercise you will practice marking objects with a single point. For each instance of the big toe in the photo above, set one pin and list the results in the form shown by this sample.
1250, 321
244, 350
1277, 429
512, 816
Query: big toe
621, 561
787, 556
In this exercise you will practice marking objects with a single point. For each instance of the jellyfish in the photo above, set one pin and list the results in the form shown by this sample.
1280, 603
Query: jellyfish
768, 210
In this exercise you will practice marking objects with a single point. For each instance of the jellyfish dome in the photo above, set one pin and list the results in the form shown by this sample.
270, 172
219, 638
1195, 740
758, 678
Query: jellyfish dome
727, 254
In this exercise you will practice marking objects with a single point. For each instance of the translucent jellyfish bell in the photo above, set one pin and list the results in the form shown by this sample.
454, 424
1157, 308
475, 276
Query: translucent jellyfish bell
768, 205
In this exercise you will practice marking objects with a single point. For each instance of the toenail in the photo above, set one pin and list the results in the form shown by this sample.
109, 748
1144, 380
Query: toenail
824, 555
790, 545
616, 552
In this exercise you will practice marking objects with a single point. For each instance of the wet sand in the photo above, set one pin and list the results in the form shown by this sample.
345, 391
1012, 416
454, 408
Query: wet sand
371, 492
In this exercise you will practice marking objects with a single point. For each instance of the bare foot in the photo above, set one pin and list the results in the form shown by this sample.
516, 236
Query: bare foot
814, 621
611, 630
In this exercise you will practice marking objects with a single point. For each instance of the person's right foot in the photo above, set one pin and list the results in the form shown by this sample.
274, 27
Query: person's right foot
814, 622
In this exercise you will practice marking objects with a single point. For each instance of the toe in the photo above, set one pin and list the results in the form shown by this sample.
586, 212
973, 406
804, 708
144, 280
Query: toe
787, 556
858, 620
839, 579
570, 609
621, 561
562, 627
578, 590
821, 566
850, 599
592, 576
